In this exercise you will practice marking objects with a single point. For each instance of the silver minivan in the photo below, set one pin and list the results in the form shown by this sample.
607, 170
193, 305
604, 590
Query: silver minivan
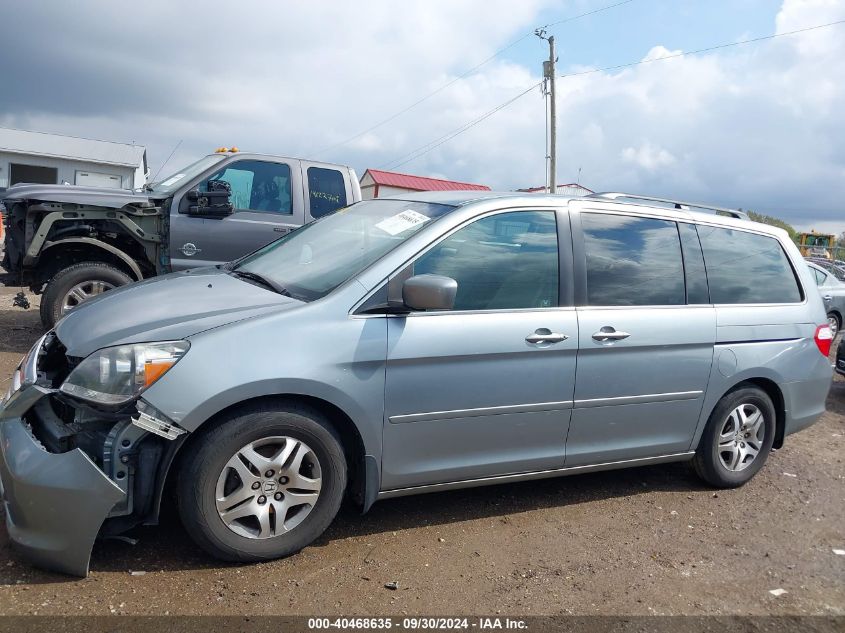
412, 345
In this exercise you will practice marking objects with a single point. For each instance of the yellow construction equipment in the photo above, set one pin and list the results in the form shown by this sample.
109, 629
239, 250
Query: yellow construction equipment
814, 244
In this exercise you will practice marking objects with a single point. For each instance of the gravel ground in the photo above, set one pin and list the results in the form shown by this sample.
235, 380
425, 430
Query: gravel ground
645, 541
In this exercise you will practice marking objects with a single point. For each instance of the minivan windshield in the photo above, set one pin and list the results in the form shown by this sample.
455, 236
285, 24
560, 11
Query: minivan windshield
314, 260
174, 181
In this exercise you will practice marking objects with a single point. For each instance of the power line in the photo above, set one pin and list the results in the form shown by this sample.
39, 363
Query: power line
416, 153
424, 149
700, 50
583, 15
464, 75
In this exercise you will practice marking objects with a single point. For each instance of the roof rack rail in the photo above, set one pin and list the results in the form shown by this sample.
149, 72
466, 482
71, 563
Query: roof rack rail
677, 204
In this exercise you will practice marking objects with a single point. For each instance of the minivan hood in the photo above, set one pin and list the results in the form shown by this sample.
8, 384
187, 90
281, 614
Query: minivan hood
165, 308
93, 196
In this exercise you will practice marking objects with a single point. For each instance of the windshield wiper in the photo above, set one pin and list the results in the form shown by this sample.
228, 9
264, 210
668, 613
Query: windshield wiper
272, 285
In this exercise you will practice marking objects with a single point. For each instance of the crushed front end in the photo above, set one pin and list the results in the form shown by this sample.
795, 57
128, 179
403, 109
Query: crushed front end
72, 470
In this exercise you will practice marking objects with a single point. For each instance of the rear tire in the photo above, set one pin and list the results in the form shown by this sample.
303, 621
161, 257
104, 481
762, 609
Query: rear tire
237, 512
75, 284
737, 438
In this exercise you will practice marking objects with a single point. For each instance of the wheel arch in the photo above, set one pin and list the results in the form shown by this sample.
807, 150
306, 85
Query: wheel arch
79, 249
774, 392
363, 475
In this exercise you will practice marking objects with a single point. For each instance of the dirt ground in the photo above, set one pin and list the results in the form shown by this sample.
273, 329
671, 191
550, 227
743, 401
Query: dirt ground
646, 541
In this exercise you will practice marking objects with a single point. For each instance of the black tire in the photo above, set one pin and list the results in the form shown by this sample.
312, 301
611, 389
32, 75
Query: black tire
60, 285
708, 460
196, 489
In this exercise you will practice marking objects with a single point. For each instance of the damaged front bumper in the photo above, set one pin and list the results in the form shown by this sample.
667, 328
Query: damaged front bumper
56, 501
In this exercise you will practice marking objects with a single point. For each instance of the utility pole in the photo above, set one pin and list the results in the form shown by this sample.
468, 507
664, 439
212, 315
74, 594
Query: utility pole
549, 77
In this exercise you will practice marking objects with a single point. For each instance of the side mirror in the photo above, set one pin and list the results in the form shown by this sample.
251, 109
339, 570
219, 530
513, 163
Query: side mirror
429, 292
214, 203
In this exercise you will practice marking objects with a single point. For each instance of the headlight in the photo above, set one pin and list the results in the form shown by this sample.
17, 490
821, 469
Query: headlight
116, 375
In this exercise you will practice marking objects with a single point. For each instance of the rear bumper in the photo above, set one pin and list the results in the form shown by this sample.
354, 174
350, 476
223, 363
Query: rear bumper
55, 502
806, 399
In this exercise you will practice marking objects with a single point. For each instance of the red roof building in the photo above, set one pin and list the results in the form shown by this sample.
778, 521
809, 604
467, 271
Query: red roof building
377, 184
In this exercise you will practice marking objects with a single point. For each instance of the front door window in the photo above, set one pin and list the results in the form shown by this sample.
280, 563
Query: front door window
257, 185
504, 261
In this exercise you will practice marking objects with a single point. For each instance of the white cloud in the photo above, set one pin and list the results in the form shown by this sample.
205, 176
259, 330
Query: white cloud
648, 156
760, 126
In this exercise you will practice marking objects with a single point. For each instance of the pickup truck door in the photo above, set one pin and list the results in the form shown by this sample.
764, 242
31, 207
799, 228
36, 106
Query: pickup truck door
267, 196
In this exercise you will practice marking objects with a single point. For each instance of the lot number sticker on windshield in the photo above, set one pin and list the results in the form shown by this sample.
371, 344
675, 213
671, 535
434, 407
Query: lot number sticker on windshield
402, 222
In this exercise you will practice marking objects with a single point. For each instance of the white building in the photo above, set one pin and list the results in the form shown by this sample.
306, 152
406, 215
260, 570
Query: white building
42, 158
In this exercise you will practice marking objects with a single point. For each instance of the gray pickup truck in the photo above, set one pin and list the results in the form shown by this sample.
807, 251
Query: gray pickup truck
72, 243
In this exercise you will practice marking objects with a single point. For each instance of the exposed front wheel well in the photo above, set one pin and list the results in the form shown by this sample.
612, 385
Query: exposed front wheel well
62, 256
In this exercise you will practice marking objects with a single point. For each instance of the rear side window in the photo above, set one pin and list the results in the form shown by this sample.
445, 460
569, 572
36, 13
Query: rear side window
747, 268
632, 261
327, 191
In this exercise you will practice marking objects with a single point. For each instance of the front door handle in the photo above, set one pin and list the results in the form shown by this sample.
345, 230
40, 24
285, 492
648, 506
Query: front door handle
281, 229
545, 335
608, 333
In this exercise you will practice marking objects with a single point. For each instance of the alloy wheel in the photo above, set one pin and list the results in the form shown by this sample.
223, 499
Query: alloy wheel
741, 437
268, 487
82, 292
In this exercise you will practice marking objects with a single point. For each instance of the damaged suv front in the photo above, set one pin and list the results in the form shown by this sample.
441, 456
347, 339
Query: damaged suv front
81, 449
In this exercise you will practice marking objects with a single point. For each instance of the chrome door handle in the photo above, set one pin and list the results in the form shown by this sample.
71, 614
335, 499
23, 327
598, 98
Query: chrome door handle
544, 335
607, 333
828, 297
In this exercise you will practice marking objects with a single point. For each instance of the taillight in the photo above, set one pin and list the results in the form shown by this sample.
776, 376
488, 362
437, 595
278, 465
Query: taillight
824, 339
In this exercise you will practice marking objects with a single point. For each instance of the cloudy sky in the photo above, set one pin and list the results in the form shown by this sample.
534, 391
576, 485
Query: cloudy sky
759, 126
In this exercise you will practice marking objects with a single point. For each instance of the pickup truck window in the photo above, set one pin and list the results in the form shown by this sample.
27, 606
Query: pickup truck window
257, 185
327, 191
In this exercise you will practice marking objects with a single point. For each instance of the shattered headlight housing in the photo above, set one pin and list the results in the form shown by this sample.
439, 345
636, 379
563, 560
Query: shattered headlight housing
117, 375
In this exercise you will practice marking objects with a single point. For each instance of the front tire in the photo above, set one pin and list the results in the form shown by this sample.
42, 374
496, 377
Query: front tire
737, 438
263, 484
75, 285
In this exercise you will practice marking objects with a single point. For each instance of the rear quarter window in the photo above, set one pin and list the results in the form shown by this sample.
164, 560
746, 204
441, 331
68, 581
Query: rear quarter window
747, 268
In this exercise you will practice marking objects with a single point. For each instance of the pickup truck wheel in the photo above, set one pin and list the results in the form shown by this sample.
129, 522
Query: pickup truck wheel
737, 438
263, 484
76, 284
